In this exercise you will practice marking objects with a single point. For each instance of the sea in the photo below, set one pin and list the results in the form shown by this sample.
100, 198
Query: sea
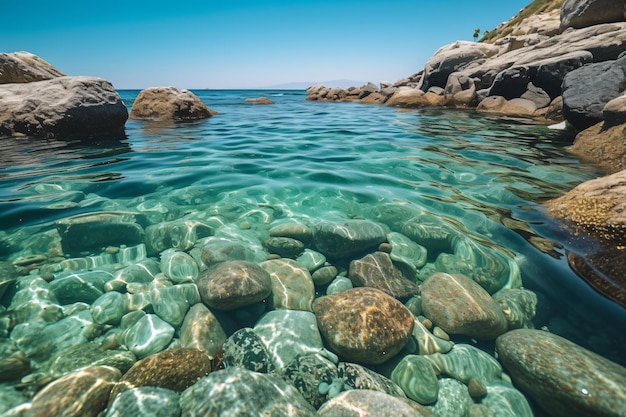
486, 176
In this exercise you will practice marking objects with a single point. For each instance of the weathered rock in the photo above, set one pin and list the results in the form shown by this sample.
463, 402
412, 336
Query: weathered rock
602, 145
174, 369
338, 240
562, 377
407, 97
364, 325
582, 13
24, 67
78, 107
169, 103
374, 98
516, 106
81, 393
233, 284
597, 207
614, 112
227, 393
376, 270
460, 91
355, 403
259, 100
153, 401
588, 89
536, 95
460, 306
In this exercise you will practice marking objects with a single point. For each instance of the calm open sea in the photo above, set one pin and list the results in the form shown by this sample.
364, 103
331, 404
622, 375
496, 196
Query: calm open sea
483, 175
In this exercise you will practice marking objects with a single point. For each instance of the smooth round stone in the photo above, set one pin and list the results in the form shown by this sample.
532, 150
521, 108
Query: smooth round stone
289, 333
245, 349
145, 401
177, 234
143, 271
360, 377
325, 274
519, 307
307, 372
201, 330
216, 250
364, 325
109, 308
563, 378
178, 266
233, 284
476, 389
311, 260
430, 232
343, 240
505, 401
285, 247
30, 259
292, 285
407, 252
175, 369
339, 284
416, 376
376, 270
172, 303
89, 231
82, 286
81, 393
293, 230
148, 335
13, 366
237, 392
460, 306
453, 400
355, 403
465, 362
88, 355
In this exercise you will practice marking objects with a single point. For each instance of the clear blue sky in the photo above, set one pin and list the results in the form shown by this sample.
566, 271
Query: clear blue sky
242, 43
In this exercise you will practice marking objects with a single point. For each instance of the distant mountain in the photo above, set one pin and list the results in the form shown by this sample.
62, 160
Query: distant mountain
306, 84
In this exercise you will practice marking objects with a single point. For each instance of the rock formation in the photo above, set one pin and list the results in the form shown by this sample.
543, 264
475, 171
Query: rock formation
24, 67
169, 103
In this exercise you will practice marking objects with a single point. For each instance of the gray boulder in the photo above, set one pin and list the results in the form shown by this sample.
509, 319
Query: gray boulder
62, 107
583, 13
614, 112
169, 103
588, 89
24, 67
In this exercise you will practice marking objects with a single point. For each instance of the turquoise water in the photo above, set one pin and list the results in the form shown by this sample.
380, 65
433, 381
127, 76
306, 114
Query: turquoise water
253, 165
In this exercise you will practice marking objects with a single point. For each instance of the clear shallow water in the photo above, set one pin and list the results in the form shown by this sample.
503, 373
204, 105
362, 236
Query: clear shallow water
254, 164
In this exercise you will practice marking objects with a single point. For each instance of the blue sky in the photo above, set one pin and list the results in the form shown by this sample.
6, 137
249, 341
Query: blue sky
242, 43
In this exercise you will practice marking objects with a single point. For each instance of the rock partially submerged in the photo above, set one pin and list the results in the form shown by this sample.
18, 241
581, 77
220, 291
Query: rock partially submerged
169, 103
78, 107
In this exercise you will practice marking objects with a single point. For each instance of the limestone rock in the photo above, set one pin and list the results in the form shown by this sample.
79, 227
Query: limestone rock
460, 306
24, 67
81, 393
233, 284
603, 145
562, 377
407, 97
516, 106
597, 207
364, 325
583, 13
259, 100
355, 403
227, 393
376, 270
77, 107
169, 103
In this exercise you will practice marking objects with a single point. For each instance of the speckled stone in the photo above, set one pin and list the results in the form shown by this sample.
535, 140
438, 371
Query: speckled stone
87, 355
416, 376
201, 330
148, 335
145, 401
519, 307
465, 362
81, 393
227, 393
343, 240
292, 285
245, 349
360, 377
233, 284
307, 372
364, 325
175, 369
460, 306
219, 249
563, 378
357, 403
376, 270
453, 400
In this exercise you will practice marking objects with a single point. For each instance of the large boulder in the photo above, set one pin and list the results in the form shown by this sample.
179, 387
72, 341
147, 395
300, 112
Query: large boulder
563, 378
62, 107
169, 103
602, 144
614, 112
588, 89
583, 13
24, 67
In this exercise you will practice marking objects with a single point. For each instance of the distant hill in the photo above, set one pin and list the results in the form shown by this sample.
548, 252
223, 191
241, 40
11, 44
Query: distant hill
302, 85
